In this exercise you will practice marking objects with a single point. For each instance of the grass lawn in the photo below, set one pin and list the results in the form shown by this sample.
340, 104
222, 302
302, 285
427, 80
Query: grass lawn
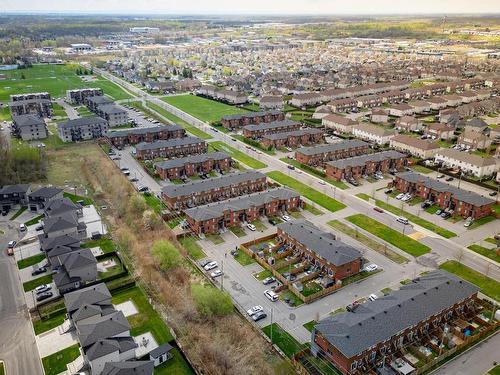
358, 277
84, 112
75, 198
34, 221
45, 325
310, 288
175, 365
315, 172
489, 253
26, 262
488, 286
482, 221
283, 339
258, 224
18, 213
106, 244
243, 258
147, 320
194, 250
491, 240
5, 114
390, 235
56, 363
310, 325
202, 108
170, 116
238, 231
216, 239
238, 155
421, 169
287, 294
154, 203
312, 209
263, 274
495, 370
32, 284
308, 192
367, 241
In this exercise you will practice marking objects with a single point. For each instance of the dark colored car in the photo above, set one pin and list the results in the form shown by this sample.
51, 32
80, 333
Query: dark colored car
450, 179
43, 296
38, 271
291, 167
492, 194
272, 221
258, 316
378, 209
388, 191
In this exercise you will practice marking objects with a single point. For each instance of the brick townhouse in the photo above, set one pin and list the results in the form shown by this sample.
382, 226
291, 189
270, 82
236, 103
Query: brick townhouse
357, 166
34, 103
339, 123
121, 138
318, 155
257, 131
78, 96
334, 258
189, 166
293, 139
377, 332
251, 118
439, 130
218, 216
463, 203
196, 193
171, 148
343, 105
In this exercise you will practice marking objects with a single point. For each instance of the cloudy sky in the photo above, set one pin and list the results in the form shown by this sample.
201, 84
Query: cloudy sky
255, 6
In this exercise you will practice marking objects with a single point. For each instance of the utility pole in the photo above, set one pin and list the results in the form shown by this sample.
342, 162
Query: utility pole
272, 326
222, 276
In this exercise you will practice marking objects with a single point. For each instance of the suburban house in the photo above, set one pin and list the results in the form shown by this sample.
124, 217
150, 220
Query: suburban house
120, 138
439, 130
437, 103
60, 206
293, 139
452, 100
257, 131
363, 165
14, 195
400, 110
67, 223
196, 193
49, 244
29, 127
468, 163
78, 96
474, 140
477, 125
74, 269
420, 106
318, 155
272, 102
40, 198
218, 216
408, 124
379, 115
373, 133
192, 165
306, 99
128, 368
414, 146
404, 317
339, 123
82, 129
463, 203
171, 148
251, 118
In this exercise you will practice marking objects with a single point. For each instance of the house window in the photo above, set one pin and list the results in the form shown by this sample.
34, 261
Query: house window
354, 365
372, 355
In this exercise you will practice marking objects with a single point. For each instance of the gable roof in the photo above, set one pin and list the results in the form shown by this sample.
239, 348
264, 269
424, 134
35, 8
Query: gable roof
360, 161
333, 147
60, 206
421, 144
45, 192
168, 143
466, 157
128, 368
101, 328
194, 159
47, 244
95, 294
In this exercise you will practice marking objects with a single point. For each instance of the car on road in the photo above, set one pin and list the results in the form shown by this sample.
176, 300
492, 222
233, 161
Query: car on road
259, 316
251, 227
38, 271
134, 179
378, 209
268, 280
22, 227
291, 167
440, 176
321, 182
286, 218
43, 288
43, 296
216, 273
210, 266
492, 194
11, 244
254, 310
371, 267
39, 227
372, 297
403, 220
271, 295
450, 179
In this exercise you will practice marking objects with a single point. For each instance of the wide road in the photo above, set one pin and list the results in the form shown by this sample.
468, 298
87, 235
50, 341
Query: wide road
18, 349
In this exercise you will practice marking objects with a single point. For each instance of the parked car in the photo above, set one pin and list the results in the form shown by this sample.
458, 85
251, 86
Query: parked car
372, 297
11, 244
426, 204
321, 182
400, 195
403, 220
450, 179
251, 227
22, 227
204, 262
38, 271
5, 212
134, 179
440, 176
468, 221
43, 288
216, 273
371, 268
39, 227
259, 316
210, 266
378, 209
142, 188
492, 194
271, 295
286, 218
439, 212
268, 280
388, 191
254, 310
272, 221
43, 296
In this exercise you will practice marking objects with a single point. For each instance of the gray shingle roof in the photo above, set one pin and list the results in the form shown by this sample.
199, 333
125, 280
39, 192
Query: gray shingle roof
142, 131
111, 109
360, 161
47, 244
128, 368
27, 120
46, 192
82, 121
195, 159
168, 143
99, 100
92, 295
102, 328
321, 243
249, 115
162, 349
60, 206
332, 147
294, 133
272, 125
110, 345
11, 189
60, 222
377, 321
77, 259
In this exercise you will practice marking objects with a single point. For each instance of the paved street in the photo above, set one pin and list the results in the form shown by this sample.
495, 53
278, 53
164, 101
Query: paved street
70, 110
17, 341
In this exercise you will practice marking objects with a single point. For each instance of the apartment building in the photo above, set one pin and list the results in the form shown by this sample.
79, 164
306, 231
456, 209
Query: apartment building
78, 96
468, 163
113, 114
217, 217
463, 203
373, 133
251, 118
439, 130
82, 129
293, 139
364, 165
121, 138
93, 102
380, 330
318, 155
257, 131
414, 146
189, 166
171, 148
29, 127
196, 193
34, 103
339, 123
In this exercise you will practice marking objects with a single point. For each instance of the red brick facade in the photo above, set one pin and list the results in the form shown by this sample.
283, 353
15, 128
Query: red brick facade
238, 121
319, 158
258, 131
293, 139
191, 168
173, 151
122, 138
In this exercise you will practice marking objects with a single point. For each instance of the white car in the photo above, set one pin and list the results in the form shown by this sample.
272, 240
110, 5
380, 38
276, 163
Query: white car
216, 273
22, 227
254, 310
371, 268
271, 295
400, 196
403, 220
372, 297
43, 288
210, 266
286, 218
321, 182
251, 227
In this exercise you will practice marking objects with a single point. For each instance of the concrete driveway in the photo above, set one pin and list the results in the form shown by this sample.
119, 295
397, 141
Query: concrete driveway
52, 341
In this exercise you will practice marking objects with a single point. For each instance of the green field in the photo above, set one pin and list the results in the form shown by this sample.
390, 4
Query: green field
489, 253
191, 245
283, 339
488, 286
308, 192
54, 79
56, 363
202, 108
238, 155
390, 235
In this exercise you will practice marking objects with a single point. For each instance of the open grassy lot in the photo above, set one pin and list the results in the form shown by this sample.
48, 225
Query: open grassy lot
489, 253
238, 231
365, 240
26, 262
488, 286
283, 339
190, 128
216, 239
55, 79
308, 192
421, 169
56, 363
32, 284
147, 320
154, 203
263, 274
194, 250
238, 155
202, 108
315, 172
390, 235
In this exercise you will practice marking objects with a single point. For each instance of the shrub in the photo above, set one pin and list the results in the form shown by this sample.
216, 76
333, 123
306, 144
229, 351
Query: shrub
211, 302
166, 254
